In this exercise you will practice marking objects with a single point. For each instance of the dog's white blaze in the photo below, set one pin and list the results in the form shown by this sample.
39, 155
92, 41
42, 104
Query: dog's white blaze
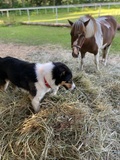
73, 86
44, 70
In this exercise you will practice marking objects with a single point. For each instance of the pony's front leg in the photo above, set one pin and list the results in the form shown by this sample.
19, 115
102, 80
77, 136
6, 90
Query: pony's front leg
81, 61
96, 60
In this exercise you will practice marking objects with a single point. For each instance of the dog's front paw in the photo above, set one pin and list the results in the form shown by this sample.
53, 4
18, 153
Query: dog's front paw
53, 94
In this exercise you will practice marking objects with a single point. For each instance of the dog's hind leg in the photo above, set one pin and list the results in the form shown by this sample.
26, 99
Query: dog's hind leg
6, 85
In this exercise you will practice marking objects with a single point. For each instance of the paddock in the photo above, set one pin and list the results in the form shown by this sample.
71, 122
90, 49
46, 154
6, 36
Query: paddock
79, 125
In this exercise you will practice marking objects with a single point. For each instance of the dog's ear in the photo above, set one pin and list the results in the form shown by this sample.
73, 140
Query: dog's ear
70, 22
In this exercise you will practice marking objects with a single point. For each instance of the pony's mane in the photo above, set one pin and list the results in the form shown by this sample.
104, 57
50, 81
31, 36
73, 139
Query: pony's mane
76, 27
91, 26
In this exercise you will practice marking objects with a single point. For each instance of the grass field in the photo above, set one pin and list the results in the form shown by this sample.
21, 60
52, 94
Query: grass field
83, 125
12, 31
35, 35
39, 35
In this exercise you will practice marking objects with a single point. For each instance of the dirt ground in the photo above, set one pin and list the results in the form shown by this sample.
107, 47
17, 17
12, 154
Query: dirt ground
42, 53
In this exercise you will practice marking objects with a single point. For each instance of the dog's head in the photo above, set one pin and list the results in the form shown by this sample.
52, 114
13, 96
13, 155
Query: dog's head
62, 75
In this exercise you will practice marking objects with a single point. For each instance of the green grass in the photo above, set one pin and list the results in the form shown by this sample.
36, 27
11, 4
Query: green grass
35, 35
39, 35
115, 45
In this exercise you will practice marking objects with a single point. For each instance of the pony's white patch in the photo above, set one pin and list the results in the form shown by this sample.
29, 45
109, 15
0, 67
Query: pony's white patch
102, 20
75, 42
90, 30
99, 36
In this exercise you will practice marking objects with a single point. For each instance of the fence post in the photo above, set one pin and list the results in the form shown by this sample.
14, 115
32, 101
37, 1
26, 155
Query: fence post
28, 13
99, 10
68, 9
7, 13
56, 14
20, 12
37, 11
2, 13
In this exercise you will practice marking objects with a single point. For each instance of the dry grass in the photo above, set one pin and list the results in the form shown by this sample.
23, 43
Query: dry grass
83, 125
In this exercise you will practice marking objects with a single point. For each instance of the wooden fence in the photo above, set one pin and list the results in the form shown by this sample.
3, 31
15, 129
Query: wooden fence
55, 8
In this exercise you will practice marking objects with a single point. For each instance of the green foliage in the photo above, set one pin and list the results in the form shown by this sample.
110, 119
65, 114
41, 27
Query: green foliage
32, 3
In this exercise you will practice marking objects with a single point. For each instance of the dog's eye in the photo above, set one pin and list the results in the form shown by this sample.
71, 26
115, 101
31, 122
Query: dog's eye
70, 81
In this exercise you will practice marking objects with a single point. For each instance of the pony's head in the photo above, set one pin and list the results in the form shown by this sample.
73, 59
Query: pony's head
81, 29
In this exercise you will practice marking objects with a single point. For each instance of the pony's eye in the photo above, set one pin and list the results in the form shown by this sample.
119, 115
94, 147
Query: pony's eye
79, 34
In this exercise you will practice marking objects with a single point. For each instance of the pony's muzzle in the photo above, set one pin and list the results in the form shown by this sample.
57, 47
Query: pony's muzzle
75, 52
75, 55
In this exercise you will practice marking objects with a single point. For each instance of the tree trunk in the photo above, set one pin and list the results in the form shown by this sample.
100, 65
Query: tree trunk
23, 3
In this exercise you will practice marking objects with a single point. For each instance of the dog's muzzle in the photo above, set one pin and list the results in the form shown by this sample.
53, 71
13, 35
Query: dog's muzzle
73, 86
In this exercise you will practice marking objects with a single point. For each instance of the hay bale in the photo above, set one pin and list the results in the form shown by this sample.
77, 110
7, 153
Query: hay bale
80, 125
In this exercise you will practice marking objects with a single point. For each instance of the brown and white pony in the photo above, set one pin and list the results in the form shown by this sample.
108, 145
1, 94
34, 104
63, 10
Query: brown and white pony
92, 35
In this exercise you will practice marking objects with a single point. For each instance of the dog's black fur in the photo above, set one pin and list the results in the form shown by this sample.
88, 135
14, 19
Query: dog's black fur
20, 73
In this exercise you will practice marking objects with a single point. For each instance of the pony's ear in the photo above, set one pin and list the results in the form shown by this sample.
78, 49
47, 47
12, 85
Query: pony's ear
86, 23
70, 22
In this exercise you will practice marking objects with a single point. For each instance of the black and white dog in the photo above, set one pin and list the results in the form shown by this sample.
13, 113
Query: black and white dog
36, 78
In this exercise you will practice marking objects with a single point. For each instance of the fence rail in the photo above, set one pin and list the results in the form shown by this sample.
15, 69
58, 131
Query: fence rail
55, 8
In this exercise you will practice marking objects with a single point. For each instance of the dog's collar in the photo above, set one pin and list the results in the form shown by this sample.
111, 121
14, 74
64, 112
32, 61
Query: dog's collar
46, 83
